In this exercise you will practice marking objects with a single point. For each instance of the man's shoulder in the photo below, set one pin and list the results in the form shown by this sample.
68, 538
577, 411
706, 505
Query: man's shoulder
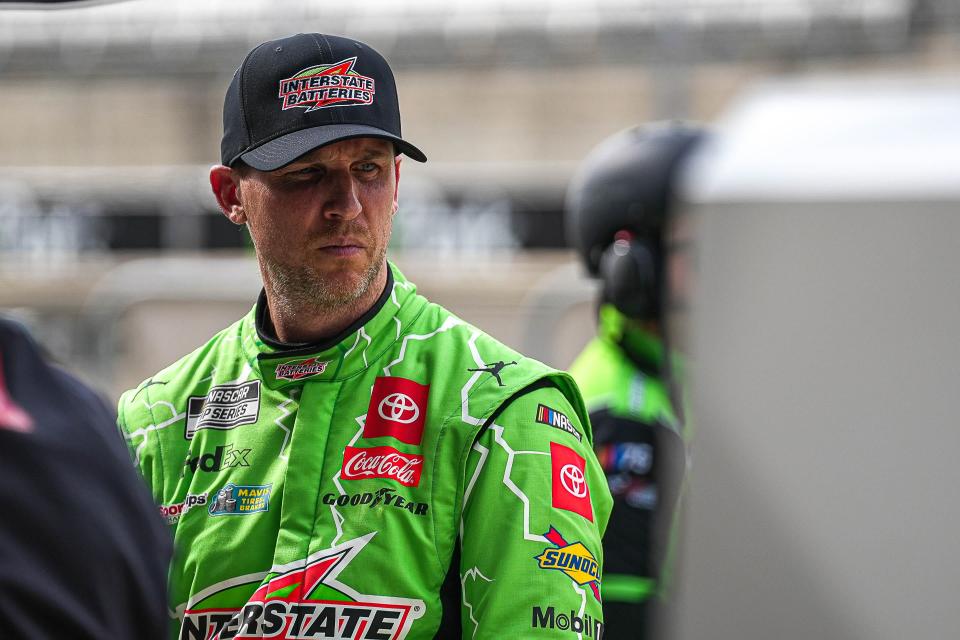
222, 353
457, 342
486, 374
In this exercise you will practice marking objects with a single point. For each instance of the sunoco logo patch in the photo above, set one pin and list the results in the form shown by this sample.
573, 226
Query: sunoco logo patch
239, 500
224, 407
299, 600
321, 86
575, 560
297, 369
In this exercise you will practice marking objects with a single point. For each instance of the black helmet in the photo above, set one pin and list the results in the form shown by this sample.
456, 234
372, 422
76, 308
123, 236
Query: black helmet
617, 206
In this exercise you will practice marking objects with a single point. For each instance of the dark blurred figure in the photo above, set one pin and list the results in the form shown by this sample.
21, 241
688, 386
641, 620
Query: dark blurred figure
618, 216
83, 551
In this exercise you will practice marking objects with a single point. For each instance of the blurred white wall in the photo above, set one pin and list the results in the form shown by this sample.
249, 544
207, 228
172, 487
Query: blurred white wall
826, 340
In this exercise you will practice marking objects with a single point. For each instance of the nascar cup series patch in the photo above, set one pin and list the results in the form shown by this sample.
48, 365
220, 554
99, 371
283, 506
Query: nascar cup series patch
334, 85
225, 406
299, 600
574, 560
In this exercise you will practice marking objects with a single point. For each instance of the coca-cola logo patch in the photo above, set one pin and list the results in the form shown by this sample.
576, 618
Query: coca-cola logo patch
381, 462
398, 409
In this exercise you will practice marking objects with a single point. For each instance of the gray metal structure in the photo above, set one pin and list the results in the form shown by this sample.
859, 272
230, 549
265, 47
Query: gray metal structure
826, 342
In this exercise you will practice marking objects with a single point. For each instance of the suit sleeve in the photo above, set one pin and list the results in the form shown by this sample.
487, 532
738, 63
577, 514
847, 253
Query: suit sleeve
536, 504
137, 426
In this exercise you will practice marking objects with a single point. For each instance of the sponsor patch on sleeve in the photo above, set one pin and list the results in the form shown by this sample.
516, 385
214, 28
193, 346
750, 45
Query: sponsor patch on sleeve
569, 486
572, 559
558, 420
398, 409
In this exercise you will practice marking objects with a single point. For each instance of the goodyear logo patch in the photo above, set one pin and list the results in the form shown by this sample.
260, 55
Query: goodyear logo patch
574, 560
552, 417
239, 500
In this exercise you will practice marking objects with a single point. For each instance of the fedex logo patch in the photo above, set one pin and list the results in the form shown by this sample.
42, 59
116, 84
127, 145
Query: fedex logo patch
570, 490
398, 409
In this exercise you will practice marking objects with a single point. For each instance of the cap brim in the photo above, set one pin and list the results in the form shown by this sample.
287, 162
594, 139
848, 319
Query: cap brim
281, 151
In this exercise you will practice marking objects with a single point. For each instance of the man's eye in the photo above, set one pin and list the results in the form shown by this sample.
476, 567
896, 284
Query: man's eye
367, 167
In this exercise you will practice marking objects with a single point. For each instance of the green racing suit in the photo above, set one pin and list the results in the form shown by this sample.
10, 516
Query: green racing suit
410, 478
641, 442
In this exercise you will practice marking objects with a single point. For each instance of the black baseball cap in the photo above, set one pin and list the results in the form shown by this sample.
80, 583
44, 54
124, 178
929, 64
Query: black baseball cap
295, 94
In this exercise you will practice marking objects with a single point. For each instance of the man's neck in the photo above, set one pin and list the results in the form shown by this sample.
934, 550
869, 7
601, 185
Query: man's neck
307, 324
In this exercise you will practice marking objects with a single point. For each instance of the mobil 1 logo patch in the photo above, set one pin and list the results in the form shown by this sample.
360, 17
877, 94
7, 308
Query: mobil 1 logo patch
225, 406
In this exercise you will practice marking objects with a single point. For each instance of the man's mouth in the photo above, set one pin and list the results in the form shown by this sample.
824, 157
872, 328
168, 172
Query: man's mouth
342, 247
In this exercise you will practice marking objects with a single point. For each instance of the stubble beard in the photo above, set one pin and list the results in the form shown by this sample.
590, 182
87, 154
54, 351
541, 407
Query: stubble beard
301, 288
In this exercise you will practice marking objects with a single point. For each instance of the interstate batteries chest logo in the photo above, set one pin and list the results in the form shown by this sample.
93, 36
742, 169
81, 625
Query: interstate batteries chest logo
334, 85
225, 406
575, 560
299, 600
299, 369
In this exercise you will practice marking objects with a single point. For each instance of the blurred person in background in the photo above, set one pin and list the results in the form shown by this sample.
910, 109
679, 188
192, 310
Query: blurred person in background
83, 552
348, 459
618, 213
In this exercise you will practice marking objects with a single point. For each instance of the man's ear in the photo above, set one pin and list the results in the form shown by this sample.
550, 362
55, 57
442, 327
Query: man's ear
225, 183
396, 183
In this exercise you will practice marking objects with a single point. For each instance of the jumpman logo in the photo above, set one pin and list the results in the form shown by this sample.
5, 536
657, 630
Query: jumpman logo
495, 369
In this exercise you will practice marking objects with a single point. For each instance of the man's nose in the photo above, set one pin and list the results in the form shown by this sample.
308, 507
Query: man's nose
342, 202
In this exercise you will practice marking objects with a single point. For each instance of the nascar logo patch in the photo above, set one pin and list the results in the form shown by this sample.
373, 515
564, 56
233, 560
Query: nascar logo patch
557, 420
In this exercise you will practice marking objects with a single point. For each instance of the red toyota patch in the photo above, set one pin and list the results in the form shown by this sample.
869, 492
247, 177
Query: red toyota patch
398, 408
570, 490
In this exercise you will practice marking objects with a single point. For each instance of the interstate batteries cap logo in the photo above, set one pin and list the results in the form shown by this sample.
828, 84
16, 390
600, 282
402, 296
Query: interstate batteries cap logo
575, 560
298, 369
299, 600
225, 406
321, 86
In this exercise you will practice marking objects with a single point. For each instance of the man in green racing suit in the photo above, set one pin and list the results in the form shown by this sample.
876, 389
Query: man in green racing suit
349, 460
